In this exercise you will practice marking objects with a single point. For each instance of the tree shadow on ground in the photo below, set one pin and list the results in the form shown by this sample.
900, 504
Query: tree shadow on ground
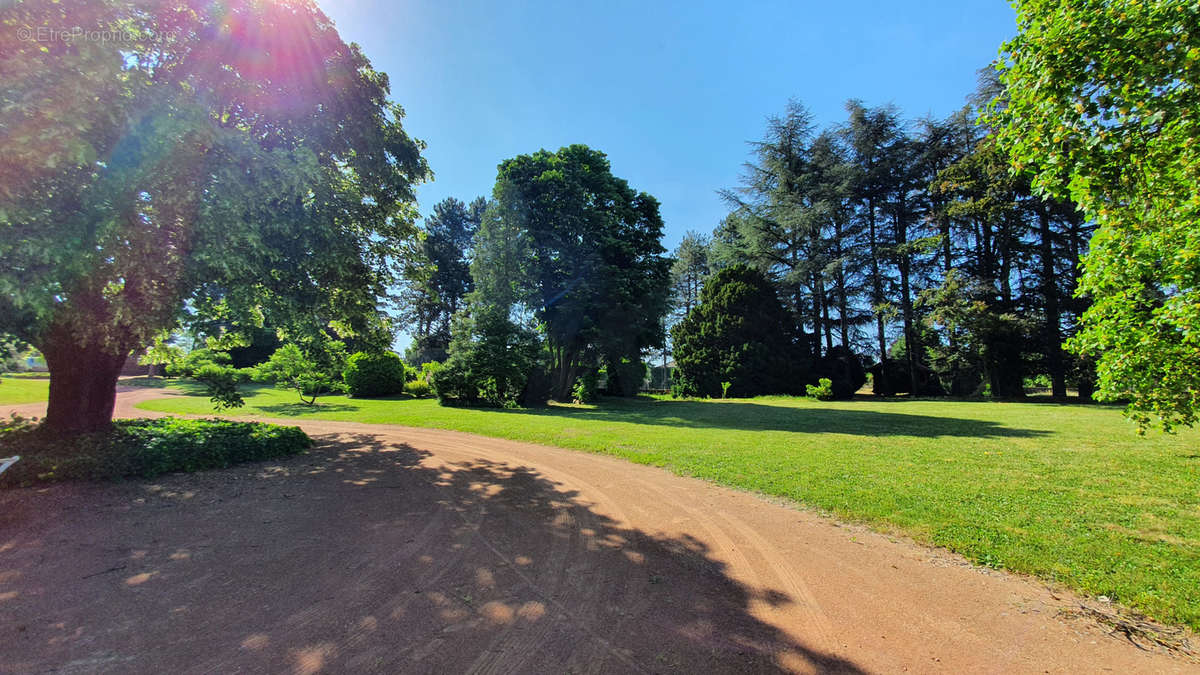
368, 555
1036, 399
746, 416
301, 409
187, 387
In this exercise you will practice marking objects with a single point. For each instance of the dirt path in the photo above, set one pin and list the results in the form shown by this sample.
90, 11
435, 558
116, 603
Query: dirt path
392, 549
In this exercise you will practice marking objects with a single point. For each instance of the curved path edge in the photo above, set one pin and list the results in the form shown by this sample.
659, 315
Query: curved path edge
542, 556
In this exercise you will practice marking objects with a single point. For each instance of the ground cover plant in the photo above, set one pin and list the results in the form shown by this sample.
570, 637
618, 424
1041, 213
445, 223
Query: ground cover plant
1069, 493
140, 448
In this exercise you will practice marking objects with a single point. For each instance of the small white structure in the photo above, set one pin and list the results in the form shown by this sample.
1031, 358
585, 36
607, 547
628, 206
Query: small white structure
6, 462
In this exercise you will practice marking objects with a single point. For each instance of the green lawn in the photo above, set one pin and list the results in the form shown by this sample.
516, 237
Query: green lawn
1068, 493
19, 390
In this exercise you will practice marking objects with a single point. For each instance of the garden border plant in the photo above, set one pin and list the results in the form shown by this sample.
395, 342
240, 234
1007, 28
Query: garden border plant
141, 448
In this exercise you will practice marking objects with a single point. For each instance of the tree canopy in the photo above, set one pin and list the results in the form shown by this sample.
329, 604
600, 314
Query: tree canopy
596, 277
235, 158
1101, 108
438, 276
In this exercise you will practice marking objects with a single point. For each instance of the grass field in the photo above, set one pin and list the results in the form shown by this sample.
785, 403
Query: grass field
20, 390
1068, 493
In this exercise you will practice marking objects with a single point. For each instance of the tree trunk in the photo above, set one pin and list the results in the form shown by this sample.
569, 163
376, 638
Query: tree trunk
1004, 246
1054, 355
876, 281
843, 310
666, 381
825, 318
83, 385
563, 375
1087, 385
986, 257
947, 246
840, 279
818, 321
904, 261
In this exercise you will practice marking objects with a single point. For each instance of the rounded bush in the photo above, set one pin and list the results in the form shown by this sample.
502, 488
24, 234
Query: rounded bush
368, 375
453, 382
739, 333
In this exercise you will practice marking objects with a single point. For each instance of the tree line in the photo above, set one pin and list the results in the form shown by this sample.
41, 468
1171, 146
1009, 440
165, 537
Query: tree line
909, 243
906, 246
199, 182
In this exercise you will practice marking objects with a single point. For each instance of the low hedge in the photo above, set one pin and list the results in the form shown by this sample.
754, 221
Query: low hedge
418, 388
141, 448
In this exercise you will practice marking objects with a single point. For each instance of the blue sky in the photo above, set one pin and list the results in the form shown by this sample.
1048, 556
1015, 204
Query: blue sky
671, 91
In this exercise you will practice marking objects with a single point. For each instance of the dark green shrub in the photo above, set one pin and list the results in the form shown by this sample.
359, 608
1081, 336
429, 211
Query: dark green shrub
739, 333
142, 448
625, 377
893, 378
682, 385
845, 371
368, 375
257, 347
537, 389
452, 383
194, 360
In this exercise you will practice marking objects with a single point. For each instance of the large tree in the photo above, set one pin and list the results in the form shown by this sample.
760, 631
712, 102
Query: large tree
494, 347
839, 253
232, 155
779, 227
688, 272
870, 134
438, 278
889, 184
1101, 107
596, 277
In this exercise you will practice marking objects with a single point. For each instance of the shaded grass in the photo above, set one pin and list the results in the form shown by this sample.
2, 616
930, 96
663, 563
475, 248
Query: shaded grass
21, 390
154, 382
34, 387
1068, 493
